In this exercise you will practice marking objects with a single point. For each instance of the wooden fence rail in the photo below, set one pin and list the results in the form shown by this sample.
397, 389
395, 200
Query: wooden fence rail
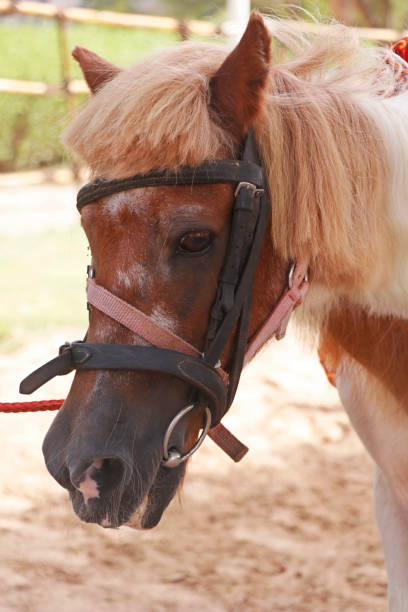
107, 18
63, 16
37, 88
185, 29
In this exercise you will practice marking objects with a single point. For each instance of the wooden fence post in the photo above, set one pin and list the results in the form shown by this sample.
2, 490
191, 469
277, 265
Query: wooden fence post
64, 53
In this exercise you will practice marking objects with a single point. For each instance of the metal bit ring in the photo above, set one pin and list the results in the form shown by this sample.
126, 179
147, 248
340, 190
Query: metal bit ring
171, 456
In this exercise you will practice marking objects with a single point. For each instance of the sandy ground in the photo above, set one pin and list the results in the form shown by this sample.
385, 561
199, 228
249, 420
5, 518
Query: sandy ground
290, 528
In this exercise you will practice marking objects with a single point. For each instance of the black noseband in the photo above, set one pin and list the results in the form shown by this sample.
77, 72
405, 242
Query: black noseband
89, 356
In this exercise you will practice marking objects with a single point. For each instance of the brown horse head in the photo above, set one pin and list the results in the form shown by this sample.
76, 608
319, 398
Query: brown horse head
160, 249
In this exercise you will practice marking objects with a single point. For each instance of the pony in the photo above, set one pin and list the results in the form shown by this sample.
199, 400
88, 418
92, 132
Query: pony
333, 143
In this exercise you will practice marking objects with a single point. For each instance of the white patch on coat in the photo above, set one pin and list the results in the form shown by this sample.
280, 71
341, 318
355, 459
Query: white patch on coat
186, 211
136, 275
379, 419
140, 276
88, 486
114, 205
390, 294
105, 522
135, 521
162, 317
382, 424
392, 522
106, 331
123, 280
386, 291
134, 200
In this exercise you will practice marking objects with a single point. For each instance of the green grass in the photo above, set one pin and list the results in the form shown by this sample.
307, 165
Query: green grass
29, 51
30, 126
42, 277
42, 284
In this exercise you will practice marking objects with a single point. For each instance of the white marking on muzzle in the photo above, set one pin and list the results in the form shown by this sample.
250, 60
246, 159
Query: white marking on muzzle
88, 486
106, 522
135, 521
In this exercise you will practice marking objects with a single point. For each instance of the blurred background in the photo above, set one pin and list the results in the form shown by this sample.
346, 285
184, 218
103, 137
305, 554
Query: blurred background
292, 527
36, 39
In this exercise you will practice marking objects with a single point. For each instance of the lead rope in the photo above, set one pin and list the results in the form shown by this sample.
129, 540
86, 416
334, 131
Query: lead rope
40, 406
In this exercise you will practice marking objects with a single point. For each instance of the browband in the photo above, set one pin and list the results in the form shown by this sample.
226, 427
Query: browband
217, 171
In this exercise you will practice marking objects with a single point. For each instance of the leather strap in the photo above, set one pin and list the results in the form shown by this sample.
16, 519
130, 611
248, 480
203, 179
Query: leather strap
223, 438
277, 322
234, 296
217, 171
135, 320
98, 356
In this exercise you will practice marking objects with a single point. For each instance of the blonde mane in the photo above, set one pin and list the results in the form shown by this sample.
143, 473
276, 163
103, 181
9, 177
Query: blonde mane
152, 115
323, 138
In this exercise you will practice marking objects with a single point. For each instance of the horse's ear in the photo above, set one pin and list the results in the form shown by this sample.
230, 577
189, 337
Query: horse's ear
237, 89
96, 70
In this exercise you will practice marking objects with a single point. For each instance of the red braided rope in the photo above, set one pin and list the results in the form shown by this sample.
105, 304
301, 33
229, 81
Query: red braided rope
31, 406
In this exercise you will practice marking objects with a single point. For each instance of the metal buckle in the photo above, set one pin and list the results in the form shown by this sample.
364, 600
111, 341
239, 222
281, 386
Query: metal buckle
171, 456
256, 191
64, 347
290, 275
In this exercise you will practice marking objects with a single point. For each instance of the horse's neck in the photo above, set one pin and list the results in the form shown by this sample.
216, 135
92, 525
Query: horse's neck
271, 280
374, 342
382, 286
390, 294
386, 294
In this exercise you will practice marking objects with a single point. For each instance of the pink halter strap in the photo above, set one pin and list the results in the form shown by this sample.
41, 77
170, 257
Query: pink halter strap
135, 320
277, 322
145, 327
139, 323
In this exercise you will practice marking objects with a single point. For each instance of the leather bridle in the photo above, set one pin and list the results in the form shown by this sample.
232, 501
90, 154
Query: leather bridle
213, 389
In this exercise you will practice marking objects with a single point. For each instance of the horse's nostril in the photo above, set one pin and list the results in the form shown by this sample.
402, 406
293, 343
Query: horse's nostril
101, 476
113, 473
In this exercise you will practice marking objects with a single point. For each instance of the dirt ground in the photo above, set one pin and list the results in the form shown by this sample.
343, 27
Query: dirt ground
290, 528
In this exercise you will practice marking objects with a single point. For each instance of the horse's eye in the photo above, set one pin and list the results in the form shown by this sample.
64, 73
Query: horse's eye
195, 242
